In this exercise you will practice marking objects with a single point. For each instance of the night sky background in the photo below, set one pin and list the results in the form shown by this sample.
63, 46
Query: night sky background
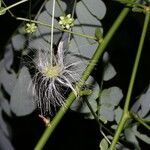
74, 132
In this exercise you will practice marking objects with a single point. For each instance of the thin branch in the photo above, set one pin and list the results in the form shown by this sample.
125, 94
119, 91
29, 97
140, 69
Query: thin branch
98, 121
60, 29
126, 114
99, 51
13, 5
140, 120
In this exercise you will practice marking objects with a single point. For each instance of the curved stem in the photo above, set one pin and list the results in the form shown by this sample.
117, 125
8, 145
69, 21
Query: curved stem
140, 120
126, 115
90, 67
41, 23
13, 5
98, 120
93, 113
48, 25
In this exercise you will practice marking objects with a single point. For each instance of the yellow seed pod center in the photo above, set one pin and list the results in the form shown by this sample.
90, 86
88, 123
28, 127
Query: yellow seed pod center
52, 71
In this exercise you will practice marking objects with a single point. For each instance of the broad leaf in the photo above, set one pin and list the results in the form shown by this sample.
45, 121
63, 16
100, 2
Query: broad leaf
3, 124
7, 80
132, 134
111, 96
45, 32
106, 113
88, 25
5, 143
8, 57
118, 114
58, 8
141, 136
130, 137
21, 98
142, 105
96, 7
103, 144
4, 104
18, 42
109, 72
80, 45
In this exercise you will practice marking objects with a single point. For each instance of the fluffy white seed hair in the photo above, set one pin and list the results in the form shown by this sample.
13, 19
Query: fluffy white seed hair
52, 81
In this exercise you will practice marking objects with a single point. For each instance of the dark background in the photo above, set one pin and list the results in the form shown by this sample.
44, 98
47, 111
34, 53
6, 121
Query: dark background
74, 132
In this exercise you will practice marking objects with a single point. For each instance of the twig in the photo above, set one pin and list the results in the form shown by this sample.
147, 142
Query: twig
99, 51
140, 120
126, 114
13, 5
48, 25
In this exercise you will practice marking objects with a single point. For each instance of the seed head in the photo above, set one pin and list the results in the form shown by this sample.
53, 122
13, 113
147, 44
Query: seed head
52, 81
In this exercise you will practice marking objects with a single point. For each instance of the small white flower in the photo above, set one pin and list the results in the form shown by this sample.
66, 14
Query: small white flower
52, 81
30, 27
66, 22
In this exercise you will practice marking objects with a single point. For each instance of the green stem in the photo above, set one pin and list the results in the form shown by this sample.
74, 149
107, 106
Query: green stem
90, 67
104, 43
48, 25
13, 5
126, 115
140, 120
101, 87
98, 120
93, 113
101, 125
132, 80
146, 120
134, 4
